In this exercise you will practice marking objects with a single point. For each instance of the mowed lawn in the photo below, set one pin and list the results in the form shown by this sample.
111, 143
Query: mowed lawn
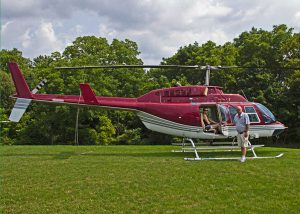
145, 179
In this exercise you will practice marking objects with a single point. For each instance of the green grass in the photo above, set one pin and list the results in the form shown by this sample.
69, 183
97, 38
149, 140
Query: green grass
145, 179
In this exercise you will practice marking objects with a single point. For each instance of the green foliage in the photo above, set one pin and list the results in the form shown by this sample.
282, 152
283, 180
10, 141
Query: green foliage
105, 130
6, 86
6, 90
4, 128
12, 55
208, 53
130, 137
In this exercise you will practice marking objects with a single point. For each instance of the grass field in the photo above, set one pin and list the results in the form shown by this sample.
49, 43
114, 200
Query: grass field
145, 179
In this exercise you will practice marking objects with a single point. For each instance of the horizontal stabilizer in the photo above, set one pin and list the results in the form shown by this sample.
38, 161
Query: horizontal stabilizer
19, 109
88, 94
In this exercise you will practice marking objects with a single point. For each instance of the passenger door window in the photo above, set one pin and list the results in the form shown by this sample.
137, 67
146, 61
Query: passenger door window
252, 114
224, 112
233, 112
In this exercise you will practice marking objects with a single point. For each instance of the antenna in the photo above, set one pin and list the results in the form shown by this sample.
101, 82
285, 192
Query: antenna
244, 94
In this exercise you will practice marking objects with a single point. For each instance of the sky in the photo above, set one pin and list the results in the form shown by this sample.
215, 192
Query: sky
159, 27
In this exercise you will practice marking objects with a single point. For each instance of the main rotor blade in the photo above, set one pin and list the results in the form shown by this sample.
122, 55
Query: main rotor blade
130, 66
220, 67
206, 67
268, 67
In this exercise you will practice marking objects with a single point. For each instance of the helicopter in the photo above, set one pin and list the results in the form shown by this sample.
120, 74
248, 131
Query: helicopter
176, 111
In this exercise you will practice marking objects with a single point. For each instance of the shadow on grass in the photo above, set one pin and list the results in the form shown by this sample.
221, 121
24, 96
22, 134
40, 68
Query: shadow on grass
67, 155
61, 155
64, 155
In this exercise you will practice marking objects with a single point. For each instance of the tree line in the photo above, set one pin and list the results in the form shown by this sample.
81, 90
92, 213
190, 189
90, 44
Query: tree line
275, 84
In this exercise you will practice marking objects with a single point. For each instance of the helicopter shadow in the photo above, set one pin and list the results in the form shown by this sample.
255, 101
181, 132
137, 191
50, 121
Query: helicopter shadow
68, 154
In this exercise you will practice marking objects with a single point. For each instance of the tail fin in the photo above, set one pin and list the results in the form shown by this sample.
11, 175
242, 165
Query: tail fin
22, 88
23, 91
88, 94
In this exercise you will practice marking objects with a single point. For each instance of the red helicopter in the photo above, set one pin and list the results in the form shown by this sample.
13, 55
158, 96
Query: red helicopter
175, 111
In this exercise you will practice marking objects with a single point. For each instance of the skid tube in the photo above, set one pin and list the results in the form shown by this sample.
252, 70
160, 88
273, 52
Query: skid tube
195, 149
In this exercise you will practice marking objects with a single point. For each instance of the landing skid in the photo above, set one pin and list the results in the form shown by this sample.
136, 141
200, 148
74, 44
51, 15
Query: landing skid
234, 158
195, 149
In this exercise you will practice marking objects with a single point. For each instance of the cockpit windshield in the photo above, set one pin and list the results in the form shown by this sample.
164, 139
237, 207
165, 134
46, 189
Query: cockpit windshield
267, 115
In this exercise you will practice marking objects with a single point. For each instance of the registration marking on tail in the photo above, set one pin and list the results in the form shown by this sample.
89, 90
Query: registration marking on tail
58, 100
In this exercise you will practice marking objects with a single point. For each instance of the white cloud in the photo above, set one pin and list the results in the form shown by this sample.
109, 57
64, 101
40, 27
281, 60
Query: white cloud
107, 32
297, 15
45, 34
208, 9
5, 25
26, 39
78, 29
296, 20
40, 40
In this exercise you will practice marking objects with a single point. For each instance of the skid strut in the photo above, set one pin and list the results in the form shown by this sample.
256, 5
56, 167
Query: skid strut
194, 148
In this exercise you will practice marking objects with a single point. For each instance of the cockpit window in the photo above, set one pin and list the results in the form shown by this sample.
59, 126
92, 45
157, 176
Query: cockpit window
249, 109
267, 115
253, 117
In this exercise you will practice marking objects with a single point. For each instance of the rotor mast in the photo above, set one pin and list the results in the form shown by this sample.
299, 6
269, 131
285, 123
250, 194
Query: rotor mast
207, 74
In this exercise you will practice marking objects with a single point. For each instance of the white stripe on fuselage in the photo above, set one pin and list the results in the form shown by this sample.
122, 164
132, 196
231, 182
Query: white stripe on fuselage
161, 125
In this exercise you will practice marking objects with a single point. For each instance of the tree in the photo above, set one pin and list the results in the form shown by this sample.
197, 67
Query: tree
271, 85
95, 126
7, 88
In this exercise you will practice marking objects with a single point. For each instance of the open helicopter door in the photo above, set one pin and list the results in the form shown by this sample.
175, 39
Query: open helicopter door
223, 112
216, 115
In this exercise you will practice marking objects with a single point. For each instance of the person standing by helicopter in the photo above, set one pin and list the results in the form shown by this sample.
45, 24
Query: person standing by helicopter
242, 124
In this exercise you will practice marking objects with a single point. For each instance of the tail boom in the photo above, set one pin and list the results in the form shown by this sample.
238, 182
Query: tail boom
25, 96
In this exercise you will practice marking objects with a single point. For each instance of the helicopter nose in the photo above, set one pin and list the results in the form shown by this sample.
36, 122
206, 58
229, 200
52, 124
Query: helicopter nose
278, 132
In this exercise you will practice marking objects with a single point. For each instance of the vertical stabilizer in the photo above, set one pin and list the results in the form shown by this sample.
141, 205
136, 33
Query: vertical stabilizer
22, 88
88, 94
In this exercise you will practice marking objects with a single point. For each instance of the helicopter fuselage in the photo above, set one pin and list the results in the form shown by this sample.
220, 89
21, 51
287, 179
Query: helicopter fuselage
175, 111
